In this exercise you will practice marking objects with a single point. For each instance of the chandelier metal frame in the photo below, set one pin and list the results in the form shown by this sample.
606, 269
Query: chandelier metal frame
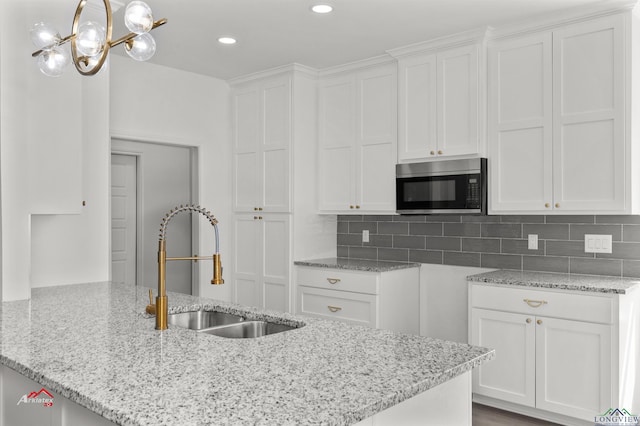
79, 60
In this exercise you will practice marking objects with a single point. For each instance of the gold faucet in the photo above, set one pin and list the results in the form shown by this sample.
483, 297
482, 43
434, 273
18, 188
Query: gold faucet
161, 306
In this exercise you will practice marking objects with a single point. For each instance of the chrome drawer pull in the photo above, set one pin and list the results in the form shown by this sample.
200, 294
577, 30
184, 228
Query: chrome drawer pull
334, 308
333, 280
535, 303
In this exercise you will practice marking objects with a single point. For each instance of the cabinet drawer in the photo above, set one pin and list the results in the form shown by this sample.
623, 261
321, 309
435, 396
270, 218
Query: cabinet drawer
335, 279
569, 305
354, 308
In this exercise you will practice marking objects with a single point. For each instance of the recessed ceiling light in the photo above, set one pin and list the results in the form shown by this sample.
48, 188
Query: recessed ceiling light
322, 8
227, 40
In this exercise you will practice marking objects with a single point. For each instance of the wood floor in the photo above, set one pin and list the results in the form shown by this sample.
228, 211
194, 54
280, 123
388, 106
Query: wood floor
489, 416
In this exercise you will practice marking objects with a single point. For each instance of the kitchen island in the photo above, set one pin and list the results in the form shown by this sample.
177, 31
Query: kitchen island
93, 345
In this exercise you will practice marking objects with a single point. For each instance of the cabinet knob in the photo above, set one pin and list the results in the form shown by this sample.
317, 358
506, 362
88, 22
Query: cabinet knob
255, 209
259, 217
350, 207
259, 209
539, 322
333, 280
433, 153
439, 152
357, 207
557, 205
255, 217
334, 308
528, 320
547, 205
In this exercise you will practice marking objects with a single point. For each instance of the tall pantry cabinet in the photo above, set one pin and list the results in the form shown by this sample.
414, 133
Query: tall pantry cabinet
274, 140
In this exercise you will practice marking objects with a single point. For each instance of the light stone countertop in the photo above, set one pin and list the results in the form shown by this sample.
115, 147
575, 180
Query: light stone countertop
356, 264
591, 283
93, 344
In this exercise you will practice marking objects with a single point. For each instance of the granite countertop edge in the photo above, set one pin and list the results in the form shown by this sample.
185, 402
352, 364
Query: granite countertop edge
356, 264
123, 419
558, 281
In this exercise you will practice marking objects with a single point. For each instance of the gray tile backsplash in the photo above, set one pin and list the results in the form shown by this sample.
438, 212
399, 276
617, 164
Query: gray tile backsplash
495, 241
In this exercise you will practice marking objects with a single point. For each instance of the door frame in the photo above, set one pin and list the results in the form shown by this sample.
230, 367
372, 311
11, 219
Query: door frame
194, 179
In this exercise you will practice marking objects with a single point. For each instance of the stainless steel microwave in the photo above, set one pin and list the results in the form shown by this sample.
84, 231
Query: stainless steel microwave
446, 186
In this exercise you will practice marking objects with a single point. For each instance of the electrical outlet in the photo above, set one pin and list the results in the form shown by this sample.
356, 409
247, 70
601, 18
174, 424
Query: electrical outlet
597, 243
365, 235
533, 241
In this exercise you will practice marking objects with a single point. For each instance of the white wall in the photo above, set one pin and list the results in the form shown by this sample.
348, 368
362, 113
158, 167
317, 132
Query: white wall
158, 104
74, 248
45, 118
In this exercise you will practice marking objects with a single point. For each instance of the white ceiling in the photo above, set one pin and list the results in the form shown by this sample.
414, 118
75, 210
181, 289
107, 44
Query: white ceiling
271, 33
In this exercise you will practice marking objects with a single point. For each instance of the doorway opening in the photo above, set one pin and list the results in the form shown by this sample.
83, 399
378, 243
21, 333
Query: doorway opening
147, 180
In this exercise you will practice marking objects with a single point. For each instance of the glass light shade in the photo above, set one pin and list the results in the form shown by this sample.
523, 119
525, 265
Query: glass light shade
138, 17
141, 48
90, 38
44, 35
52, 62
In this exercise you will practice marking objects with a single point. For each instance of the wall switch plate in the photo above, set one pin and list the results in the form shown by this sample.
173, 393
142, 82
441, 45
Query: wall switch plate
365, 235
533, 241
597, 243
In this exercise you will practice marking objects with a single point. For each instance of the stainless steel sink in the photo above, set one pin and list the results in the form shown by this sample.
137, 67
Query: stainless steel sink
198, 320
225, 325
247, 329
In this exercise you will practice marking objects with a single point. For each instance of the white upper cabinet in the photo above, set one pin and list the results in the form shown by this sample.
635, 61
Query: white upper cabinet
557, 131
520, 132
357, 133
439, 98
262, 130
588, 116
336, 135
458, 101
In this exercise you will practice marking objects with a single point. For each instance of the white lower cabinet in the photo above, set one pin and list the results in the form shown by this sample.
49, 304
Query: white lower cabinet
262, 253
387, 300
557, 352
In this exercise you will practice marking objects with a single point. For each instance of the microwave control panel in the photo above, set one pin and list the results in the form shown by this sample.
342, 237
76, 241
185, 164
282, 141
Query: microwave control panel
474, 192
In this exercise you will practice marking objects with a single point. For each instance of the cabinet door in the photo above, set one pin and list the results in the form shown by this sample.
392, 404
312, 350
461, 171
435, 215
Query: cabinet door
275, 259
520, 124
573, 367
511, 375
458, 101
247, 141
376, 140
262, 257
247, 255
337, 150
275, 147
417, 131
589, 140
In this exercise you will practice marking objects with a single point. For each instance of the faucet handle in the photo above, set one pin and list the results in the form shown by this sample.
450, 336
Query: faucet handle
151, 307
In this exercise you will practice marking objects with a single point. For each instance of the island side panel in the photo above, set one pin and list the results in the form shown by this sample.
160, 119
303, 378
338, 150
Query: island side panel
61, 411
446, 404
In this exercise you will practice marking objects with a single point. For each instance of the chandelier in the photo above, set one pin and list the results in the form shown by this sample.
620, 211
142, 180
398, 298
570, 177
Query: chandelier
90, 42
